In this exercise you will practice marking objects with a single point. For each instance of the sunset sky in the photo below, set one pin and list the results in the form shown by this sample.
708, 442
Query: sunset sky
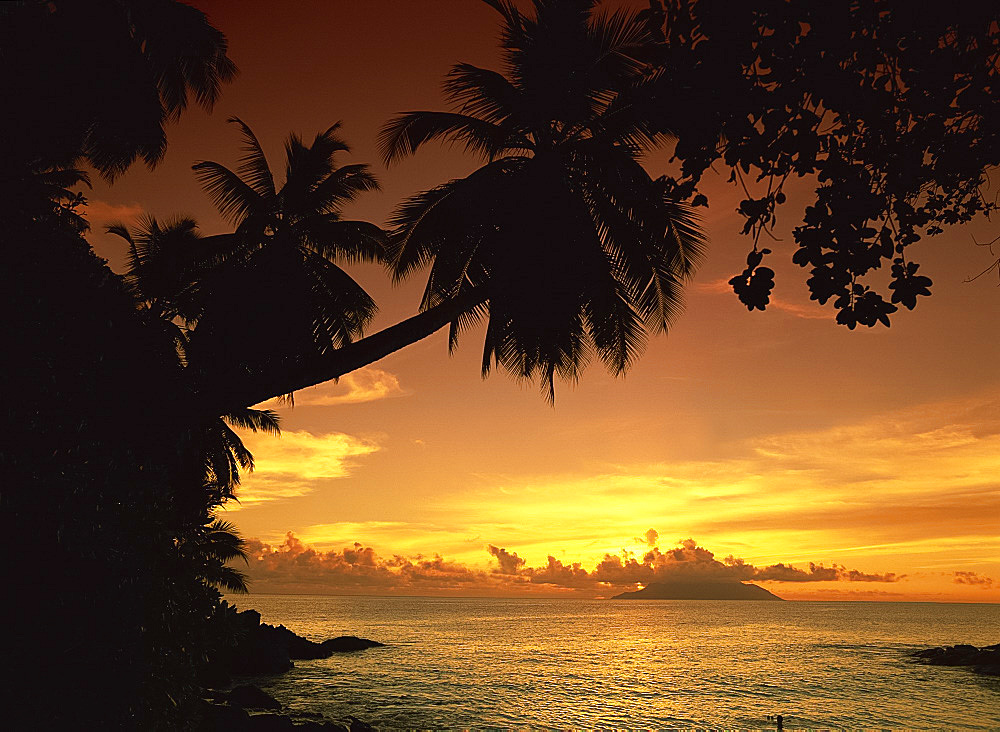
771, 438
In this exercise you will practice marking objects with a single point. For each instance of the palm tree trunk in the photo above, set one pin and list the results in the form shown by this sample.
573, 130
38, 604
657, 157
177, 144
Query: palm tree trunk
224, 393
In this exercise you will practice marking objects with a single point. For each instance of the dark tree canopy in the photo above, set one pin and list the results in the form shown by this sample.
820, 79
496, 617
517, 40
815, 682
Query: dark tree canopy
892, 105
577, 251
99, 80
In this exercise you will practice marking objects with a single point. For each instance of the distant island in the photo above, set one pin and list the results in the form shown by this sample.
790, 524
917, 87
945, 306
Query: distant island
698, 591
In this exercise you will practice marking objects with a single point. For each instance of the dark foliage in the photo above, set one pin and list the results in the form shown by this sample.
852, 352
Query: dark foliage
892, 106
107, 494
577, 251
104, 605
99, 80
279, 271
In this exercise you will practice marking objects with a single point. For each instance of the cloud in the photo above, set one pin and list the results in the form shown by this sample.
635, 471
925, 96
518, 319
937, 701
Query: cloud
296, 463
649, 538
364, 385
971, 578
840, 594
292, 566
811, 311
101, 213
509, 561
689, 562
921, 481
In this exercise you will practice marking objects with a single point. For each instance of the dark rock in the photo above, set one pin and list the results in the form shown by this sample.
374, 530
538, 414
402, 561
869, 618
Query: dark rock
347, 643
358, 726
984, 660
300, 648
282, 723
270, 723
324, 726
250, 697
258, 649
223, 718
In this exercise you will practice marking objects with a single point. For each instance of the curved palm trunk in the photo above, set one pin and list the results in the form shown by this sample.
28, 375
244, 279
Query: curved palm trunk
223, 393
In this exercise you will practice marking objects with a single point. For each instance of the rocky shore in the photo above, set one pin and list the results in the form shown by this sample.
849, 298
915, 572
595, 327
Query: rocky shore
985, 660
260, 649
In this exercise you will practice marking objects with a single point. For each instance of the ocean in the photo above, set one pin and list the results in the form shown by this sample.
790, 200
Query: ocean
533, 663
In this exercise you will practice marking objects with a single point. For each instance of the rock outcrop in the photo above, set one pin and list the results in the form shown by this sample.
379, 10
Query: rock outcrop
247, 696
260, 649
985, 660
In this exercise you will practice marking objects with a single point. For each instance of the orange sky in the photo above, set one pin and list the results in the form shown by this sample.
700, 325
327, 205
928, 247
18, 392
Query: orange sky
776, 438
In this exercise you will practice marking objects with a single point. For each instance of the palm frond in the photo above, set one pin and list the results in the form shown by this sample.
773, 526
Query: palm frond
689, 237
403, 135
233, 198
341, 308
616, 328
62, 179
349, 241
482, 93
341, 186
164, 266
406, 253
458, 213
307, 166
253, 165
228, 578
618, 39
118, 228
465, 321
223, 542
186, 54
255, 420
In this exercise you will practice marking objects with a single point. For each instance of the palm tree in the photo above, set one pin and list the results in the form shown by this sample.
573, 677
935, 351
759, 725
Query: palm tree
210, 551
576, 248
287, 243
101, 79
167, 267
561, 240
167, 264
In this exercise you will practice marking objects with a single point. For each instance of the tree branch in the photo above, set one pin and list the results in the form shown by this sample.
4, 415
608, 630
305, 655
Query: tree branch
221, 393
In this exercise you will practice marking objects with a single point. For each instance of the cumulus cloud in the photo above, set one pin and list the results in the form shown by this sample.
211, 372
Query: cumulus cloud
293, 566
509, 561
971, 578
688, 562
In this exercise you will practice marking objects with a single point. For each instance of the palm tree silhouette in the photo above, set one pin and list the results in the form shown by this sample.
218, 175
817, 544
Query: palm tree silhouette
287, 243
101, 79
210, 549
167, 265
561, 239
575, 247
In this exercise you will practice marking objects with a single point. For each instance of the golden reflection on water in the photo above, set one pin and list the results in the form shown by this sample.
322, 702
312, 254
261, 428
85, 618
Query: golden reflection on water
566, 663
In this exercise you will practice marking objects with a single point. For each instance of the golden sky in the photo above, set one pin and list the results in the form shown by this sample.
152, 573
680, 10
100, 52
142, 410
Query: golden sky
775, 438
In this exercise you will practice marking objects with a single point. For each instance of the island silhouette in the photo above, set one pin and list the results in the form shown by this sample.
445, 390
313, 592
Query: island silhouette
699, 590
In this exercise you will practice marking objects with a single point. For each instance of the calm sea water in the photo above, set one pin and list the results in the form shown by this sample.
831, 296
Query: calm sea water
652, 664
